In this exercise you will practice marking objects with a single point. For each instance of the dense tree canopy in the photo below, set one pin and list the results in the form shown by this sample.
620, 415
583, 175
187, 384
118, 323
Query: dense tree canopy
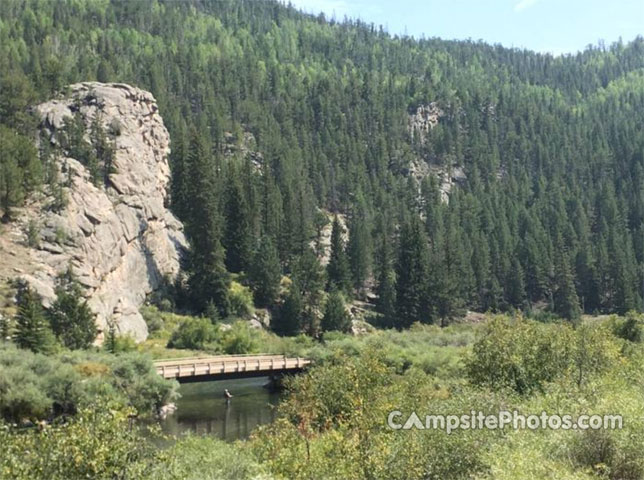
550, 210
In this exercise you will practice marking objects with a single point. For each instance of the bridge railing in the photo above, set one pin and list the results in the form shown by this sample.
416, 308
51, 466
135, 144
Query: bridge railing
219, 365
203, 357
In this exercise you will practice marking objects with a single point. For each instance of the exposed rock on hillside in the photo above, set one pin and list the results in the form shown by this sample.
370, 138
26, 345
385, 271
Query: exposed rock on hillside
244, 147
322, 243
423, 120
419, 125
119, 237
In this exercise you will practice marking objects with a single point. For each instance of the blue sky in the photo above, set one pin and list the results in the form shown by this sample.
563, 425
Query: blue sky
556, 26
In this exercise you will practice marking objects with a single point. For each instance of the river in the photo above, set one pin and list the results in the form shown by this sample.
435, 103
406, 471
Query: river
202, 409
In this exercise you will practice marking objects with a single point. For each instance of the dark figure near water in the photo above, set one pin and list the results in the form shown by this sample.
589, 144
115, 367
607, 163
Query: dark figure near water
227, 395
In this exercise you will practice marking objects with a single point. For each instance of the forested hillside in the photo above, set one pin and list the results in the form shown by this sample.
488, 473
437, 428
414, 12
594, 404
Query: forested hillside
276, 116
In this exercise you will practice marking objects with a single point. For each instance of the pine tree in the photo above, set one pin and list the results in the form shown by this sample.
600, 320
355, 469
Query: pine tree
237, 233
179, 187
104, 72
481, 268
412, 276
72, 321
448, 276
359, 251
104, 151
565, 300
272, 218
386, 286
265, 273
289, 318
73, 140
338, 274
386, 303
208, 279
32, 329
111, 340
308, 276
335, 316
587, 280
624, 293
20, 169
515, 291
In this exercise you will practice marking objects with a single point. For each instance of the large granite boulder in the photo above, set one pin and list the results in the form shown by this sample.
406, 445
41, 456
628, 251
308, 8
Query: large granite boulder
119, 238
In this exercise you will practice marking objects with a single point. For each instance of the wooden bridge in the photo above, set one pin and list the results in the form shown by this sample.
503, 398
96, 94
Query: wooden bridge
222, 367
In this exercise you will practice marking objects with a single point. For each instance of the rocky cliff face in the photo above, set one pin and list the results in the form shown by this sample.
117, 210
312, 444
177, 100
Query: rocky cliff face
419, 124
423, 120
119, 237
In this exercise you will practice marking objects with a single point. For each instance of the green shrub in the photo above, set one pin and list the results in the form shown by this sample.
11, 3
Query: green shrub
35, 386
161, 324
123, 344
239, 339
199, 458
21, 396
33, 234
524, 355
607, 453
143, 388
332, 426
97, 444
155, 324
630, 328
195, 333
241, 299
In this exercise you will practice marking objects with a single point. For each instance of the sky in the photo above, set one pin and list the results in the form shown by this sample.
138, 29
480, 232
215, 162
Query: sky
555, 26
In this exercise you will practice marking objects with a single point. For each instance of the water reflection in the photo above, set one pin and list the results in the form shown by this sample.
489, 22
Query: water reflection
203, 410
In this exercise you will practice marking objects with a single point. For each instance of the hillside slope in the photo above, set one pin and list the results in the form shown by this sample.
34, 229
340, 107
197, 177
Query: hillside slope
540, 157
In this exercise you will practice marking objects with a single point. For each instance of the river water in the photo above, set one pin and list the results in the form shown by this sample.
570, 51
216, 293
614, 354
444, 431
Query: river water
202, 409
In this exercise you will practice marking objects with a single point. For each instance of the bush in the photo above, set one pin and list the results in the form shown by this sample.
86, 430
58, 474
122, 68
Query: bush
101, 443
524, 355
630, 328
195, 333
35, 386
33, 234
21, 396
165, 295
241, 300
143, 388
116, 343
154, 323
121, 344
97, 444
607, 453
239, 339
331, 426
161, 324
199, 458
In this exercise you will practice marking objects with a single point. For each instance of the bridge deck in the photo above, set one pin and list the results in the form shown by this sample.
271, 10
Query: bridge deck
227, 366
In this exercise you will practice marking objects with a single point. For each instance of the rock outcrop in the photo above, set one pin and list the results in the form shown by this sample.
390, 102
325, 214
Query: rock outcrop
119, 237
322, 243
419, 124
423, 120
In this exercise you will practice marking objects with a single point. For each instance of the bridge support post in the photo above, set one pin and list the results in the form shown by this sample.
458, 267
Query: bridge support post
275, 382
